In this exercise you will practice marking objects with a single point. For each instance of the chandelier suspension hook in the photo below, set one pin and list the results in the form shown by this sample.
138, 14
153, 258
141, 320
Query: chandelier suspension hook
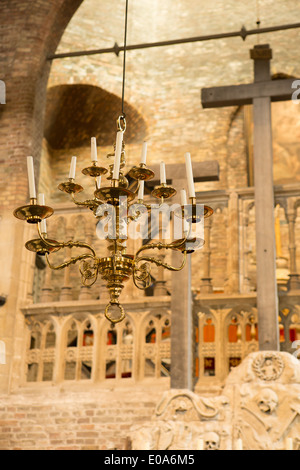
121, 123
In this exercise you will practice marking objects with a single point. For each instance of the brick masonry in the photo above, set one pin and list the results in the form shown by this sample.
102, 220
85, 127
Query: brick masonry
73, 420
163, 88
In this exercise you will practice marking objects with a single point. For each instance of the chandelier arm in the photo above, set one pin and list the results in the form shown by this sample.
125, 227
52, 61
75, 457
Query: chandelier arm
90, 203
161, 263
147, 282
85, 275
85, 284
137, 188
67, 263
144, 271
172, 246
144, 277
69, 244
133, 218
137, 215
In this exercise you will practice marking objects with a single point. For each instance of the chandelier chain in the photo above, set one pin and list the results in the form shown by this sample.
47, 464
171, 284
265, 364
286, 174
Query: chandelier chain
124, 58
258, 21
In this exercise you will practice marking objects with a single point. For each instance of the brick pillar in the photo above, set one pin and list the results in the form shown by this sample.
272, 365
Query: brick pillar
30, 31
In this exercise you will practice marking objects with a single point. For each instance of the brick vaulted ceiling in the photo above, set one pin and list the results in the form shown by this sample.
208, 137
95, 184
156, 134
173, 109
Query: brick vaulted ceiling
163, 84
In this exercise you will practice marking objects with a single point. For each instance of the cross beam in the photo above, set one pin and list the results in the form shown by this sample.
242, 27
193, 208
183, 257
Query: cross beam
276, 90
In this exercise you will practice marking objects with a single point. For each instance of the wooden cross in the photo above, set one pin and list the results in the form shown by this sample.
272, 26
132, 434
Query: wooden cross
260, 93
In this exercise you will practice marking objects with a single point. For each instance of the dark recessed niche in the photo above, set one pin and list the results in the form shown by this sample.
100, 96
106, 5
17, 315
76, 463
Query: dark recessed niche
75, 113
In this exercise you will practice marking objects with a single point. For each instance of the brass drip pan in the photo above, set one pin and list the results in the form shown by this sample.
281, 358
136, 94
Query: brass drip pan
94, 171
189, 213
40, 247
112, 195
163, 191
190, 245
33, 213
141, 173
70, 187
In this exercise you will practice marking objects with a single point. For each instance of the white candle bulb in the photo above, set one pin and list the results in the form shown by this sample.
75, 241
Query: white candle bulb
144, 153
93, 149
189, 172
162, 173
141, 191
183, 197
99, 182
41, 202
31, 182
72, 168
116, 173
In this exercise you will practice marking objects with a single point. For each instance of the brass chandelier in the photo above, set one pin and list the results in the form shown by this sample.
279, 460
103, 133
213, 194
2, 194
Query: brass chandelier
123, 207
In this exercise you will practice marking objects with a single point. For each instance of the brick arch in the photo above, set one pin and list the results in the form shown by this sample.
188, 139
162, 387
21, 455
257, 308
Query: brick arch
75, 113
32, 31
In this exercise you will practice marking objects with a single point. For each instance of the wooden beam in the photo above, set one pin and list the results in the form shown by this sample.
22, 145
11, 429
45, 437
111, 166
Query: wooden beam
203, 171
238, 95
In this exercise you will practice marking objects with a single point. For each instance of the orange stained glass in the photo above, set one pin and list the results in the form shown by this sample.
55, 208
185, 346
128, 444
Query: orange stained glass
197, 335
88, 338
281, 334
233, 333
152, 338
293, 334
111, 337
197, 367
209, 332
166, 332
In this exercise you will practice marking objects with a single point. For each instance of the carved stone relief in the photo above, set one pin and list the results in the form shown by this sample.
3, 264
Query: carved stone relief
183, 421
258, 410
211, 441
268, 366
266, 389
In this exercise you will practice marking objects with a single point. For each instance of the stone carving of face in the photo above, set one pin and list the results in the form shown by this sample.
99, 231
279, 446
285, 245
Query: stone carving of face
267, 401
181, 407
211, 441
